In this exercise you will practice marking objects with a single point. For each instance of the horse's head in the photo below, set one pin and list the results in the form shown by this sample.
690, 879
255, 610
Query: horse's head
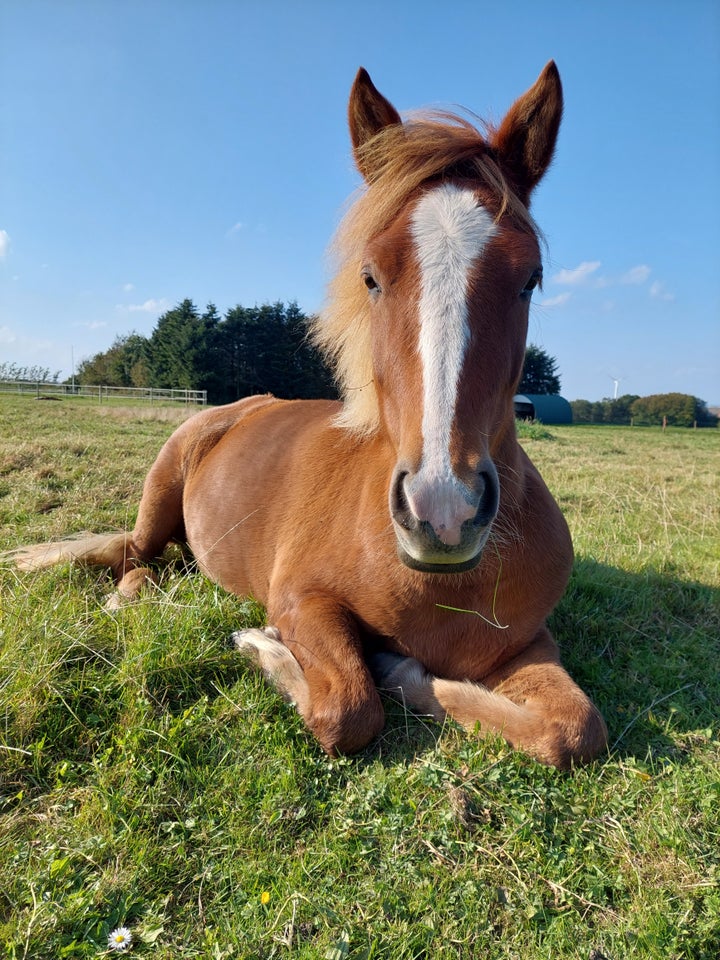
444, 255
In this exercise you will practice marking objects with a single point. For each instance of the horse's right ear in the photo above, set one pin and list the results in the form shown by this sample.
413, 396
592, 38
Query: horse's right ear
368, 113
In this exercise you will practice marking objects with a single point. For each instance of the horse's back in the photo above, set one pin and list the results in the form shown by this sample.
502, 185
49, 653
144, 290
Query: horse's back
260, 426
193, 440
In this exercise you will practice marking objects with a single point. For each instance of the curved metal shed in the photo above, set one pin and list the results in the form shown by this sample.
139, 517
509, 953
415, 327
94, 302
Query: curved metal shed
545, 407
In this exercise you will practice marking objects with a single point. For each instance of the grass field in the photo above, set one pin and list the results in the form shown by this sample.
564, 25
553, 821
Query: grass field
149, 781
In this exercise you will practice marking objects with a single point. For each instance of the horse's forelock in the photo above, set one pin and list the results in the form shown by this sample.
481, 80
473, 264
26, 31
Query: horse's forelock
427, 147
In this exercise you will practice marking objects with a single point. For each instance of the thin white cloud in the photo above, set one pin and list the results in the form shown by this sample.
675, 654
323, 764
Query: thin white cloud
578, 275
658, 291
149, 306
557, 301
91, 324
235, 228
636, 275
128, 287
4, 243
27, 347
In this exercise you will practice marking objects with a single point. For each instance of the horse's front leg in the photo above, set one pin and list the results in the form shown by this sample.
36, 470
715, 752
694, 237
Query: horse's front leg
314, 656
530, 701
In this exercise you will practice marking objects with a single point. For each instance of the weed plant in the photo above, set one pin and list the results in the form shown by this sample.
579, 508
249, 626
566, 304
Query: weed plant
149, 780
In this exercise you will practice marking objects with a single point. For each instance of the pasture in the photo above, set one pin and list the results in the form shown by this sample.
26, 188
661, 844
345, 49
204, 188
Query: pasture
148, 779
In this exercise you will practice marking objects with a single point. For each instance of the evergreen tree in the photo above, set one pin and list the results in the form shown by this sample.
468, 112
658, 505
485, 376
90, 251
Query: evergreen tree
180, 350
539, 372
597, 413
265, 350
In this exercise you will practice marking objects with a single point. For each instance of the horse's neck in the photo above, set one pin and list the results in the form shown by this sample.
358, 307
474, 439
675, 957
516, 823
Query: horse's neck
512, 464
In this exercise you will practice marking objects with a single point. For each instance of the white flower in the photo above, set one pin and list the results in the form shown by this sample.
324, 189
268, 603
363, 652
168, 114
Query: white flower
120, 940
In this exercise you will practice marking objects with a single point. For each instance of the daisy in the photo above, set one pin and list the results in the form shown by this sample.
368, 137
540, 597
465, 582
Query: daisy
120, 940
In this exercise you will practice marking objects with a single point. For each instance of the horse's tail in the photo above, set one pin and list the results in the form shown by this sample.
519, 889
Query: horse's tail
88, 549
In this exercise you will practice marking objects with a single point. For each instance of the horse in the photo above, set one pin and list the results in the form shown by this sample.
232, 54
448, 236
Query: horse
400, 538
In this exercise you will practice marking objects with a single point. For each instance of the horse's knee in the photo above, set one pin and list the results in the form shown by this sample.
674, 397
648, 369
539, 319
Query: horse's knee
344, 727
569, 742
342, 720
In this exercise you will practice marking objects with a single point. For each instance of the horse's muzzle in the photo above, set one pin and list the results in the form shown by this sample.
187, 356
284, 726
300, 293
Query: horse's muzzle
441, 525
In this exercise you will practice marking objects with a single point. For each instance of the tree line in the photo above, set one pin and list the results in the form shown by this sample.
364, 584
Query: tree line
250, 350
670, 409
33, 373
265, 349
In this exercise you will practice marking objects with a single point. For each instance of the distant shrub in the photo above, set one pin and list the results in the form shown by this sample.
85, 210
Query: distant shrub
533, 430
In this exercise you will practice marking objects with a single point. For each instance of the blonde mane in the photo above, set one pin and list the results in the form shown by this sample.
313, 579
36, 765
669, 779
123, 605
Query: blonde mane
403, 157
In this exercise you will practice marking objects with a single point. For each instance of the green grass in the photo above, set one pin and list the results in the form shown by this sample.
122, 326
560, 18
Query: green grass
148, 779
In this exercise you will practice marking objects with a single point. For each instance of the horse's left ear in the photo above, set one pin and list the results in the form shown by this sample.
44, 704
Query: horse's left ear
525, 142
368, 113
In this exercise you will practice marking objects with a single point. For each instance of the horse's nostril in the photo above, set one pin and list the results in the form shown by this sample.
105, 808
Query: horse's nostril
399, 505
489, 498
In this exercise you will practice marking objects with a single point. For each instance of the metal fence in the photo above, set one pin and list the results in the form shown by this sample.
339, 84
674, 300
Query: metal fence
104, 394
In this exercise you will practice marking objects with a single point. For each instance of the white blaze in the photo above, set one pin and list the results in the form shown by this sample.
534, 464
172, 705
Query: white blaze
450, 231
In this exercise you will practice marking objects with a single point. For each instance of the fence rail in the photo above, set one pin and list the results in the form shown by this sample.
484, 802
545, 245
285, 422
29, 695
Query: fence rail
102, 393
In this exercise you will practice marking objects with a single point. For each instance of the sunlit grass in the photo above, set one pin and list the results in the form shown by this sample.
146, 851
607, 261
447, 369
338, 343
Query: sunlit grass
148, 780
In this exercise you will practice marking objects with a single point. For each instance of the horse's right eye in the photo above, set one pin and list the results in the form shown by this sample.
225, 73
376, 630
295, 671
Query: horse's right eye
370, 282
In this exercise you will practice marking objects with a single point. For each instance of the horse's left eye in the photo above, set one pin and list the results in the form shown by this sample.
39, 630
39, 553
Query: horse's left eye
370, 282
533, 282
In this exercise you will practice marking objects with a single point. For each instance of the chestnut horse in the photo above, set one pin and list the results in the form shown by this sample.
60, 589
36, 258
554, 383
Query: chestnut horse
400, 539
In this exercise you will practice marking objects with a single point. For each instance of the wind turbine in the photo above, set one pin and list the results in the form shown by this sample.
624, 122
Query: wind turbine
616, 381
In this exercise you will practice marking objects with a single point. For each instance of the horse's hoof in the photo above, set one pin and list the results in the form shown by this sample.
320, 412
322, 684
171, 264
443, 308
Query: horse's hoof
116, 601
391, 670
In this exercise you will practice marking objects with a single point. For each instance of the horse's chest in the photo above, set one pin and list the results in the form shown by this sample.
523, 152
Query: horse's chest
451, 643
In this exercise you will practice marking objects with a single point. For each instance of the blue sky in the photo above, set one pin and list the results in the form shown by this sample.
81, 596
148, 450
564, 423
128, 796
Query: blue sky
157, 150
